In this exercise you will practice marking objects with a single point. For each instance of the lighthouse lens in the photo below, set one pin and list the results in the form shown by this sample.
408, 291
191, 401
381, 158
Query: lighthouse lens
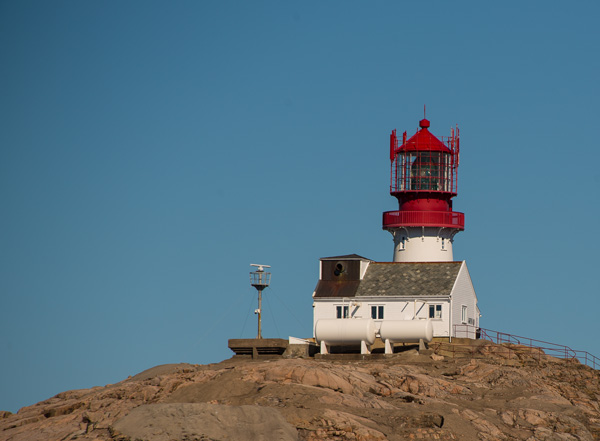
425, 171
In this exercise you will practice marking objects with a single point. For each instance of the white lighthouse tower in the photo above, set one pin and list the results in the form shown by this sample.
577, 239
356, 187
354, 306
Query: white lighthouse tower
424, 180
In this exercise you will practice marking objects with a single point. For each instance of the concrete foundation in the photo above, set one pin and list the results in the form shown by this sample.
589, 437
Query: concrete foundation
271, 348
258, 347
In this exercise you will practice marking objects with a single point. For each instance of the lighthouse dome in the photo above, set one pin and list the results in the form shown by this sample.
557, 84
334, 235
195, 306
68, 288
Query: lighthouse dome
424, 140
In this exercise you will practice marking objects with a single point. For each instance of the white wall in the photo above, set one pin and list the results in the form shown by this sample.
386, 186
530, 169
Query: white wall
364, 264
463, 293
394, 309
416, 244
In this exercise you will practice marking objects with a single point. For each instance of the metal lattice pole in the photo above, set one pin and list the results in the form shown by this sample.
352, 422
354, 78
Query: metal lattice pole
259, 313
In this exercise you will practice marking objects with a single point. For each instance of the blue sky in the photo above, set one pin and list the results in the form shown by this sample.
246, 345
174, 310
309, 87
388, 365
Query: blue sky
150, 151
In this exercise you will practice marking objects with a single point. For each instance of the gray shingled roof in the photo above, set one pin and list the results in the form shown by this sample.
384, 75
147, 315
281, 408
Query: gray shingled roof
409, 279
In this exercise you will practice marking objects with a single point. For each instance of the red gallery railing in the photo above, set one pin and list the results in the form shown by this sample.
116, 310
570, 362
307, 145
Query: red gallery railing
447, 219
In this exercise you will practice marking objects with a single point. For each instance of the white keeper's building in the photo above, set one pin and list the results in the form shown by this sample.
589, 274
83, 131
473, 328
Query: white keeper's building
355, 287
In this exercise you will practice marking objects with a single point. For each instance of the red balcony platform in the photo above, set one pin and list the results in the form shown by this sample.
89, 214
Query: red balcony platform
446, 219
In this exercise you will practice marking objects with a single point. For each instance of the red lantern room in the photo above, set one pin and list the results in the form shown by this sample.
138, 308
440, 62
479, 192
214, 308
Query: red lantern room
424, 180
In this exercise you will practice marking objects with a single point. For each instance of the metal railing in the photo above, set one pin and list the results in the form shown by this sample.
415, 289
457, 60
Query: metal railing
514, 345
588, 359
455, 350
450, 219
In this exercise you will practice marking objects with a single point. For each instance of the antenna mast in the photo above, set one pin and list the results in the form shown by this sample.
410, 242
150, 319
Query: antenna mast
260, 280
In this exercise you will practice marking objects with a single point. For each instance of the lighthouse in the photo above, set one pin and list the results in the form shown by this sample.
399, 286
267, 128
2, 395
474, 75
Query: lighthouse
423, 283
423, 179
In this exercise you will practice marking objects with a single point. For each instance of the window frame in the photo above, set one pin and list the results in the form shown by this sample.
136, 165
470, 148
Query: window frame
342, 311
435, 311
377, 312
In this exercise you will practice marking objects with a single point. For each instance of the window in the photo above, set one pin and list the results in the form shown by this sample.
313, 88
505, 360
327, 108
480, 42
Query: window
463, 315
377, 312
342, 311
425, 171
435, 311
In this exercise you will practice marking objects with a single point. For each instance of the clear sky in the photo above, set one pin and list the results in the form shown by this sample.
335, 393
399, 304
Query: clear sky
150, 151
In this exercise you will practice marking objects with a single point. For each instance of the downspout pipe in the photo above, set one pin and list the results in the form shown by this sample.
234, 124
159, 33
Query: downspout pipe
450, 323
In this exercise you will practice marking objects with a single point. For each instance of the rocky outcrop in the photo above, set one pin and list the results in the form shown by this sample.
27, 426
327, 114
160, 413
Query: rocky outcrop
404, 397
186, 421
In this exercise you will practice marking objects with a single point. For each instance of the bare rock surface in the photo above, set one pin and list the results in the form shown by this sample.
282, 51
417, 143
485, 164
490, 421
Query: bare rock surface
179, 421
493, 397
